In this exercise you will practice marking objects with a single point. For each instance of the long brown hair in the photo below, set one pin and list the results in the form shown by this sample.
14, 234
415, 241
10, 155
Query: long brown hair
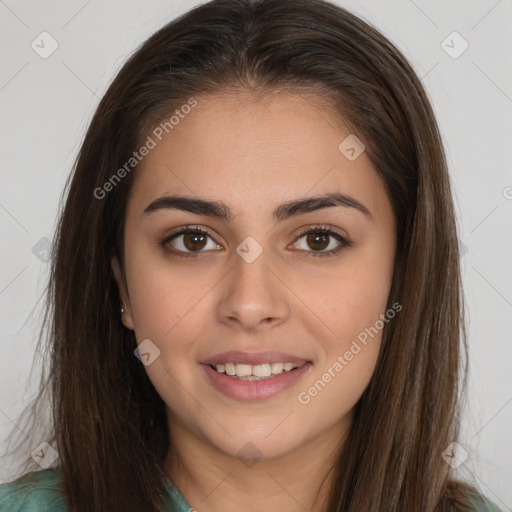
109, 423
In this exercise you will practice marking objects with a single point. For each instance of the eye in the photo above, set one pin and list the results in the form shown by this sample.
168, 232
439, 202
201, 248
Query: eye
188, 240
317, 238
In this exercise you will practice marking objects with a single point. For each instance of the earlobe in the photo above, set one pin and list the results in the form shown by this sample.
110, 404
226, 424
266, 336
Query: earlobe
125, 312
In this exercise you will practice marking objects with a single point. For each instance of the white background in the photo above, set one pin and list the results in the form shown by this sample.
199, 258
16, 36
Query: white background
47, 103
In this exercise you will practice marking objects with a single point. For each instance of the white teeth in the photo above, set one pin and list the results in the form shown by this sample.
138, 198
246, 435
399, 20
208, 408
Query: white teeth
277, 368
230, 369
243, 370
261, 370
258, 370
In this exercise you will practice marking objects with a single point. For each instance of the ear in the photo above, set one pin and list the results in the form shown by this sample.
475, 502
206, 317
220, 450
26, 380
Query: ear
126, 317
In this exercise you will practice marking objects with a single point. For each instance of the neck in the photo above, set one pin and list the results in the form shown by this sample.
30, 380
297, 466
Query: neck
213, 481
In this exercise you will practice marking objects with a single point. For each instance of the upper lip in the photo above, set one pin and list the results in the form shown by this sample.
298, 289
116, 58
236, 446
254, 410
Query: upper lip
252, 358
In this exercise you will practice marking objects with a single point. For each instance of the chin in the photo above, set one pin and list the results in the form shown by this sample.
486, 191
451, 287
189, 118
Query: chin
250, 446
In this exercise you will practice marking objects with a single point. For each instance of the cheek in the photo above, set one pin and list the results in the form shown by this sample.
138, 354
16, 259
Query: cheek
171, 308
350, 347
351, 306
166, 308
163, 297
350, 298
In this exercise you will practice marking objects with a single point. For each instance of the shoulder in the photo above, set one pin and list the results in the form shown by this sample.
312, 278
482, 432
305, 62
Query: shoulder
482, 504
37, 491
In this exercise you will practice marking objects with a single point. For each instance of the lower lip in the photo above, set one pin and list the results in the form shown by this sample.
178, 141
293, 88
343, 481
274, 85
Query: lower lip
255, 389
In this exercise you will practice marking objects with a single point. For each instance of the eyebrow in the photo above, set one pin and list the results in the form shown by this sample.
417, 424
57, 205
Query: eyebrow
220, 210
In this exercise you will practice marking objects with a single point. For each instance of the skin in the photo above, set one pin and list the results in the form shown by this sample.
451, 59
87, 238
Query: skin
254, 155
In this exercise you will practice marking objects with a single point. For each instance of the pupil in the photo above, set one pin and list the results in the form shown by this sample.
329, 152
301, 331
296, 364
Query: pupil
194, 237
313, 240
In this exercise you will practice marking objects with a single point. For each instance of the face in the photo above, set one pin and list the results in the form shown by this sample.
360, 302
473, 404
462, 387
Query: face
310, 282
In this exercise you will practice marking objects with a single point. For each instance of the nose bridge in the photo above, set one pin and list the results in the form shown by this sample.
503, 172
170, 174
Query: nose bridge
254, 295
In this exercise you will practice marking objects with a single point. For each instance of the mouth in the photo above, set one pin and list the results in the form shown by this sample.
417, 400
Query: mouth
255, 382
250, 372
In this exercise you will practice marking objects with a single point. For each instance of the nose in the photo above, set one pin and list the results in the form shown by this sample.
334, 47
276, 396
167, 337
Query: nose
254, 296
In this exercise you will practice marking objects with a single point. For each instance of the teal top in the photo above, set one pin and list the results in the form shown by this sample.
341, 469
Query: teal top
39, 492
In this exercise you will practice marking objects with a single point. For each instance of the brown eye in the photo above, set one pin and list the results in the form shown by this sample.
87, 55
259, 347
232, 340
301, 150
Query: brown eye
194, 241
189, 241
318, 241
320, 238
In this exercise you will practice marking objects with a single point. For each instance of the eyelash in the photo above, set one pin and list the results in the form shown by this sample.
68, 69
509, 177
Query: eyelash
323, 229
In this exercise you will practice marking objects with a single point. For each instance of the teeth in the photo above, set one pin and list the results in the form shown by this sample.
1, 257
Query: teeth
230, 368
243, 370
258, 370
261, 370
277, 368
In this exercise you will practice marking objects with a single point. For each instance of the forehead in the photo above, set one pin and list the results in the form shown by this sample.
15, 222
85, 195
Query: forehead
254, 152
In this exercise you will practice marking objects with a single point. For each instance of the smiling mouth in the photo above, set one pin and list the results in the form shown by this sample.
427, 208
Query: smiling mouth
262, 371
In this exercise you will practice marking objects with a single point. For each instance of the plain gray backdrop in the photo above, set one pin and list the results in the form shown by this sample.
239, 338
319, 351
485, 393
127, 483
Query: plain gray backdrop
47, 101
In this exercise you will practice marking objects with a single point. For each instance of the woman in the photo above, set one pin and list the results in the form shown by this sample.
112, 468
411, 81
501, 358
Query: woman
255, 289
